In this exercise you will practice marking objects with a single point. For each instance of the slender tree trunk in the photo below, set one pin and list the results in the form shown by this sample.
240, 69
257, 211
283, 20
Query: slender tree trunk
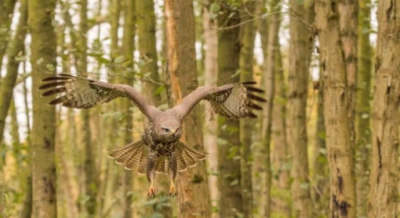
152, 88
210, 119
270, 40
383, 199
146, 27
15, 48
7, 10
229, 180
91, 180
336, 110
192, 187
321, 170
247, 36
43, 61
26, 210
299, 63
127, 51
280, 161
363, 108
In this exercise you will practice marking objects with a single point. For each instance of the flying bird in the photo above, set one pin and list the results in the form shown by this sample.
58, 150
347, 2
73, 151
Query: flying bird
159, 149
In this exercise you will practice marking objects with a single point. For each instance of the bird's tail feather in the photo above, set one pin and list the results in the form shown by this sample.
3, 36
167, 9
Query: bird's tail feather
187, 157
131, 156
134, 156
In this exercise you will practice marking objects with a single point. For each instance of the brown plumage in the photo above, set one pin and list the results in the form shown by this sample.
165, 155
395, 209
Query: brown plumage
159, 150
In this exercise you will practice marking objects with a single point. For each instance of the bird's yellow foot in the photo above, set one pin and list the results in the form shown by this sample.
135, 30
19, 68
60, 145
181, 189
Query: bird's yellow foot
151, 193
172, 190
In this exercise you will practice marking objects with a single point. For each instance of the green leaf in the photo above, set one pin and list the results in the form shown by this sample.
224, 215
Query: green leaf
50, 67
39, 61
20, 58
234, 182
119, 59
221, 141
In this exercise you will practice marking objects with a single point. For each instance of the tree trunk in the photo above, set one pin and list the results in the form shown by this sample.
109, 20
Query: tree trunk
299, 63
91, 180
336, 110
348, 20
26, 210
247, 36
128, 46
43, 61
146, 26
192, 186
229, 180
363, 108
7, 10
320, 166
280, 161
383, 199
269, 42
210, 121
16, 47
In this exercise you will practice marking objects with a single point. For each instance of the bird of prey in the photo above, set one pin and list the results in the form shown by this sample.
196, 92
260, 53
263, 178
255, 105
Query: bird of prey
159, 149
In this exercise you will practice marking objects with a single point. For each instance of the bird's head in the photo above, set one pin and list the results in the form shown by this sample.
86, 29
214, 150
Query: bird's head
168, 130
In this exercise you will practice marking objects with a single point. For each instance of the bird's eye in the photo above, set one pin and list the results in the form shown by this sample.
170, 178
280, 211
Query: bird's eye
165, 130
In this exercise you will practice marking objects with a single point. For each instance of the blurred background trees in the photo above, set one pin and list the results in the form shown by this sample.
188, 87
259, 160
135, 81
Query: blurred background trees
309, 154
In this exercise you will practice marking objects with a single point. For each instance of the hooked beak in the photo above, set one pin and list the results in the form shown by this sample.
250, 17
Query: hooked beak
173, 131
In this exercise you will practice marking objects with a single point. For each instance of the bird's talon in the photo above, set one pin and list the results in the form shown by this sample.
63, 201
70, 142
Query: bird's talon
151, 193
172, 192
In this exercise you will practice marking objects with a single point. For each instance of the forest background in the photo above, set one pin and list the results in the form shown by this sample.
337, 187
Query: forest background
326, 144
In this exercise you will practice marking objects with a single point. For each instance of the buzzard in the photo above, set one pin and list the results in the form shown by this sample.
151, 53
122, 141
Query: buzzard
159, 149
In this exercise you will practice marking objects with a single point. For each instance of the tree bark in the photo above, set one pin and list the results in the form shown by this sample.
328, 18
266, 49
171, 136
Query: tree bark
348, 20
299, 63
192, 186
146, 27
280, 204
320, 162
229, 180
91, 180
7, 10
269, 42
383, 199
363, 108
43, 61
247, 37
210, 121
336, 110
16, 47
128, 47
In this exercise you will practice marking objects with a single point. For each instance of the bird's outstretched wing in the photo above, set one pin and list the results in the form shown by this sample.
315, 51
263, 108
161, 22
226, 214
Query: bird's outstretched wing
234, 100
78, 92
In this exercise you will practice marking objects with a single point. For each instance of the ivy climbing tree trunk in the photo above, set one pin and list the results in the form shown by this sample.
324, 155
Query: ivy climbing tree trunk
192, 186
43, 61
383, 198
